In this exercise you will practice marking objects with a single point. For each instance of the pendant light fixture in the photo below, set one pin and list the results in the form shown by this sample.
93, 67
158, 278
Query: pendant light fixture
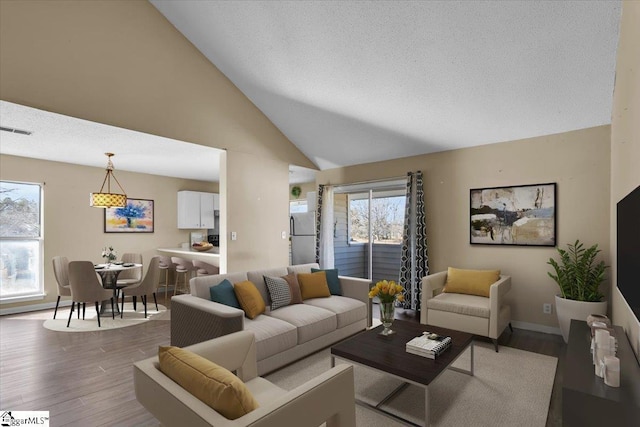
108, 199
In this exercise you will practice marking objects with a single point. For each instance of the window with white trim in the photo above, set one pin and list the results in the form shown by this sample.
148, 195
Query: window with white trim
21, 240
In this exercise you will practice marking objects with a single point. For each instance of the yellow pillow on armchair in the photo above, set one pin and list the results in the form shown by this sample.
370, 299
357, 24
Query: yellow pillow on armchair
471, 282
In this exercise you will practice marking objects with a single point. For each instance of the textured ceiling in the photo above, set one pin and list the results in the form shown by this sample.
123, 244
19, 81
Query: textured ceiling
62, 138
352, 82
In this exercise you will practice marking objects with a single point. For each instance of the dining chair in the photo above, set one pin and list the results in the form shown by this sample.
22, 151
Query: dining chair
184, 268
165, 265
148, 285
133, 276
204, 269
61, 272
86, 287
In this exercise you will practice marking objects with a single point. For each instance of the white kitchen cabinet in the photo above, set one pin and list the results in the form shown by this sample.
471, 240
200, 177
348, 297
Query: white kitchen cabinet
197, 209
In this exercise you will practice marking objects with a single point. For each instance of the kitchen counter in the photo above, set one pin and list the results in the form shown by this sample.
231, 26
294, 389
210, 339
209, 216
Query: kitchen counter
211, 256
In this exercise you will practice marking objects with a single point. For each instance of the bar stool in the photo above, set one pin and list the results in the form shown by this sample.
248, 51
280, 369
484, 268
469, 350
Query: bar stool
165, 265
204, 269
183, 267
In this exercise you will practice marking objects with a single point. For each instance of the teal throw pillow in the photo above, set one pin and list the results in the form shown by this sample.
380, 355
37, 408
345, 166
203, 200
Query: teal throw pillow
224, 294
332, 280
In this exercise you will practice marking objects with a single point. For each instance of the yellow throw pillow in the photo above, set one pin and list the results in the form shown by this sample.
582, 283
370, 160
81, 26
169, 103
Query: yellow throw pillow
472, 282
249, 298
211, 383
314, 285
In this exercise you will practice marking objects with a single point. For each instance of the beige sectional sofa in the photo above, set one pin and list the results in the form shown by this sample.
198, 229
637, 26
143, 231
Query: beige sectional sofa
282, 335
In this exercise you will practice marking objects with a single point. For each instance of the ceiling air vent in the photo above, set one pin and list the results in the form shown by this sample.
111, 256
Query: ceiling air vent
12, 130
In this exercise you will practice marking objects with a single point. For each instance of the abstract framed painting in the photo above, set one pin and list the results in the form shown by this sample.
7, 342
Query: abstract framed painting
135, 217
519, 215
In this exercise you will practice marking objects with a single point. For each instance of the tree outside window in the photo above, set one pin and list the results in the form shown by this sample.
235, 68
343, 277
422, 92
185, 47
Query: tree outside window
20, 239
387, 219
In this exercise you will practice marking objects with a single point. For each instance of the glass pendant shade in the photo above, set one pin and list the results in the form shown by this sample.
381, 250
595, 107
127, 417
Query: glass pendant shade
108, 199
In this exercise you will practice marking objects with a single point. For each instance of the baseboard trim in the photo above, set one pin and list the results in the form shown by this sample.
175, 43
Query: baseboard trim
536, 327
34, 307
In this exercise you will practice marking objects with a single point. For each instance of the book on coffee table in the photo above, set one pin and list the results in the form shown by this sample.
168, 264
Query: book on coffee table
428, 345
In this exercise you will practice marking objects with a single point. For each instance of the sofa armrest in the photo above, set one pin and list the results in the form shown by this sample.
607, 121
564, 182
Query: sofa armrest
497, 291
195, 319
329, 397
357, 288
430, 285
235, 352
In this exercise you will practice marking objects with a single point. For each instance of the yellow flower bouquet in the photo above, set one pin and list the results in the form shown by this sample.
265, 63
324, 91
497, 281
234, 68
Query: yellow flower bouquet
387, 291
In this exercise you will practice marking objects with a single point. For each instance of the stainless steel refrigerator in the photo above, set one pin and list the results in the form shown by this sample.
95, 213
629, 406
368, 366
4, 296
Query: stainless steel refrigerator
303, 237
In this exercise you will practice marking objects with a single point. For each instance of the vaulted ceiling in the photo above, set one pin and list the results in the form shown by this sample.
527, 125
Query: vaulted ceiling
351, 82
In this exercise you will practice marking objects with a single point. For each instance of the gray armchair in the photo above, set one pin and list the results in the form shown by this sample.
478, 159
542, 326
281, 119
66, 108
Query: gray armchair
327, 398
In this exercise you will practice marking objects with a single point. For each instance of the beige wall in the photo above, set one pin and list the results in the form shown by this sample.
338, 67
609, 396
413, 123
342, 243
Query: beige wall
577, 161
249, 199
122, 63
625, 145
75, 230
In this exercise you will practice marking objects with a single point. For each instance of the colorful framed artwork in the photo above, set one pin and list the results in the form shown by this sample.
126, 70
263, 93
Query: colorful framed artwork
135, 217
522, 215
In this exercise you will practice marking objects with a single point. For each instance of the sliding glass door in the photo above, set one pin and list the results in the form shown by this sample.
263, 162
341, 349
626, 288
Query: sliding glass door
368, 229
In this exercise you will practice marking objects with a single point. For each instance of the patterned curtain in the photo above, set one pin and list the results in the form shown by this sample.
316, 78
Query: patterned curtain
414, 261
318, 221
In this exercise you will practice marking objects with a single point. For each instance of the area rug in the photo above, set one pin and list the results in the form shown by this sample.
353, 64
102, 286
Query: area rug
90, 323
509, 388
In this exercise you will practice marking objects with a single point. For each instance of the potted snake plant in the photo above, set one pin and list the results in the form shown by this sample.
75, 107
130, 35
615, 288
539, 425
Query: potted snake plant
579, 278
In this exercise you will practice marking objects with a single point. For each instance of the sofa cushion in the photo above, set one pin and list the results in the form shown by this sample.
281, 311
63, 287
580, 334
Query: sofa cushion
200, 285
472, 282
224, 294
332, 280
347, 310
302, 268
209, 382
294, 288
250, 299
279, 291
257, 277
311, 322
469, 305
313, 285
272, 335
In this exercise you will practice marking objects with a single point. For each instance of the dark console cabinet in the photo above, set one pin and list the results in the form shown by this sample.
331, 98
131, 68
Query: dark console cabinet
586, 399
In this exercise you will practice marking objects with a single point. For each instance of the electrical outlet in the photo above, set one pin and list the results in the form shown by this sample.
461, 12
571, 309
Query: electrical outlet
546, 308
234, 235
283, 235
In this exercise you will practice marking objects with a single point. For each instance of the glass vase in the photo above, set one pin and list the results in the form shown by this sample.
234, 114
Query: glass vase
387, 314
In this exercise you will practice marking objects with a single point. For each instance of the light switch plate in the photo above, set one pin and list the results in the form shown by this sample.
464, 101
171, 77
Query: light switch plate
283, 235
234, 235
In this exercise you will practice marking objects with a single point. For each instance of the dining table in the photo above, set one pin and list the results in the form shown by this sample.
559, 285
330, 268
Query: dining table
109, 275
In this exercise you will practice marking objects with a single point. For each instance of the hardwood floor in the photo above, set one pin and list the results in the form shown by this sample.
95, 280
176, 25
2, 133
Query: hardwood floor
85, 379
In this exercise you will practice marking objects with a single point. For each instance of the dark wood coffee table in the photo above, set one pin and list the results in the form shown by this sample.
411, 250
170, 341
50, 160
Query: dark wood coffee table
387, 354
